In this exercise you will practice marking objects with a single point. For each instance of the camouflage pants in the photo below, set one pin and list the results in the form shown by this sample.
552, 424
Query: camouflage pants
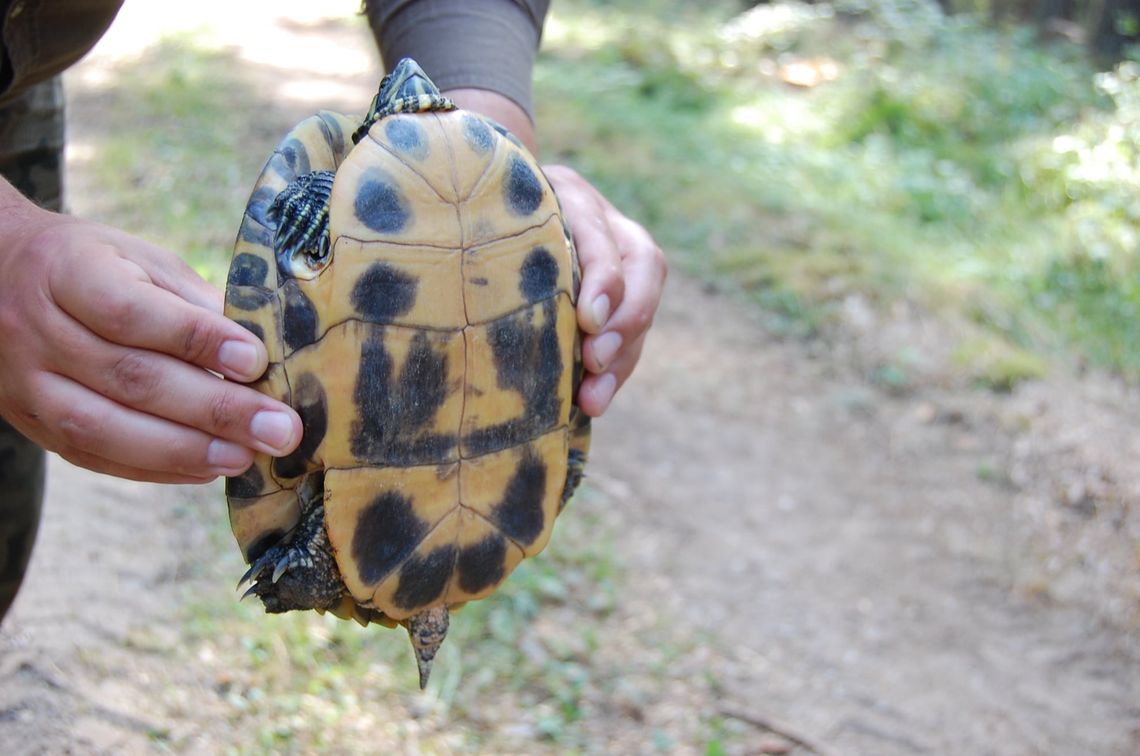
31, 158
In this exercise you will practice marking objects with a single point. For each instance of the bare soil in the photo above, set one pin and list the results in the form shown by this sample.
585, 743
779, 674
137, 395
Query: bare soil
942, 571
857, 585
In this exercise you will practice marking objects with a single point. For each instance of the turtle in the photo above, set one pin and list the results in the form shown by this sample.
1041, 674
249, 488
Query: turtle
414, 281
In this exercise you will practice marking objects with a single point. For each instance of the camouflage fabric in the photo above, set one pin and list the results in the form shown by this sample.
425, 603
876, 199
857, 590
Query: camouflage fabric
31, 143
31, 158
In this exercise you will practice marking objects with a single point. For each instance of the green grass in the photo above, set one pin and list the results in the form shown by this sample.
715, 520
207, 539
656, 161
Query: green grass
968, 169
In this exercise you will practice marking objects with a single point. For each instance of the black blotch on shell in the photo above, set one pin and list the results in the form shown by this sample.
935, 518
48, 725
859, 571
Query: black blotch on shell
422, 580
387, 532
333, 133
406, 136
477, 133
291, 159
507, 134
519, 515
538, 278
312, 405
245, 486
379, 204
248, 270
481, 565
528, 360
397, 411
522, 190
248, 298
264, 543
383, 293
299, 319
253, 328
258, 209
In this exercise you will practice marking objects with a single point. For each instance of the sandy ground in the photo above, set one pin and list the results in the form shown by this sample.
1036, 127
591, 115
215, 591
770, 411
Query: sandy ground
855, 577
945, 571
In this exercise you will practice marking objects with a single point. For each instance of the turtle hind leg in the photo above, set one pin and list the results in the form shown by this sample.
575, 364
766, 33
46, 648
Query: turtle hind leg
427, 631
300, 572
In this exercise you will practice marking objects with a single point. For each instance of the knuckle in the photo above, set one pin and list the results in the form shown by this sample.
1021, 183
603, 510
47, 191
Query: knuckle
135, 378
199, 341
120, 318
80, 428
642, 320
225, 411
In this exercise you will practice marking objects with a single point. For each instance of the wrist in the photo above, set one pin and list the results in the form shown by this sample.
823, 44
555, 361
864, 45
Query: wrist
19, 216
499, 108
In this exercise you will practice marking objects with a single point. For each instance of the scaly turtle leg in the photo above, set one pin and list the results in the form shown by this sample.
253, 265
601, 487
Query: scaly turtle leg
299, 572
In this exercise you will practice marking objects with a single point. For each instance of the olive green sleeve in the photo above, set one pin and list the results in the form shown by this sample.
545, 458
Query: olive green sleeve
485, 44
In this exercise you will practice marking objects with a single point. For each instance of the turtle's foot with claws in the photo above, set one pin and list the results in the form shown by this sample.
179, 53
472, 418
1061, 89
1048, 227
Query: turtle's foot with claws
298, 573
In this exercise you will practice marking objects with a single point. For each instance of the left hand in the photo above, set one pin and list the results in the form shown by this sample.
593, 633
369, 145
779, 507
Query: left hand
623, 274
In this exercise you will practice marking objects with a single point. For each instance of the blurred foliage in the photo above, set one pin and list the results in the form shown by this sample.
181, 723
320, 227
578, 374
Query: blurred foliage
173, 161
879, 147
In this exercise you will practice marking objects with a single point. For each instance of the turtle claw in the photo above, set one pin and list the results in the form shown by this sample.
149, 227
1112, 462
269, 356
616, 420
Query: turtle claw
283, 565
244, 579
251, 591
255, 570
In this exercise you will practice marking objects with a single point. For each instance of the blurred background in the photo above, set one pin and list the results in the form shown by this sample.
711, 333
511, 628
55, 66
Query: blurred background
873, 490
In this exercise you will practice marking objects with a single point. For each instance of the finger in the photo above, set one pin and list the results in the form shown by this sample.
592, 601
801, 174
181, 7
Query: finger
587, 215
117, 301
98, 464
86, 423
165, 387
170, 272
645, 270
598, 390
602, 284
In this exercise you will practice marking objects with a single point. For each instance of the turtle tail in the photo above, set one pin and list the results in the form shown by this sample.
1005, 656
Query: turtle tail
427, 631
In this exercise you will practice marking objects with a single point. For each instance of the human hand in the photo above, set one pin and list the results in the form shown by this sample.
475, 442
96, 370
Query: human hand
623, 274
106, 343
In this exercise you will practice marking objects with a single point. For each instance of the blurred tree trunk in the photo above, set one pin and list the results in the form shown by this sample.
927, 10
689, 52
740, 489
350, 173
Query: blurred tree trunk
1112, 26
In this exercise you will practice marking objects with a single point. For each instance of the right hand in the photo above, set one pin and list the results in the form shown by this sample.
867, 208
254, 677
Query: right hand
106, 343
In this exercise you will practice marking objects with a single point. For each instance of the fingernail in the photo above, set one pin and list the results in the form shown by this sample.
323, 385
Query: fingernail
239, 357
272, 428
606, 348
600, 309
604, 391
224, 455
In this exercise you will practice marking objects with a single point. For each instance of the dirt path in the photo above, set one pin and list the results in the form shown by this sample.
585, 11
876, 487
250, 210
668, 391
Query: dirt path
875, 575
851, 570
844, 549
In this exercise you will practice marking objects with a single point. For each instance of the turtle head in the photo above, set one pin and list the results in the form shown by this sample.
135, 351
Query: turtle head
407, 80
407, 89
